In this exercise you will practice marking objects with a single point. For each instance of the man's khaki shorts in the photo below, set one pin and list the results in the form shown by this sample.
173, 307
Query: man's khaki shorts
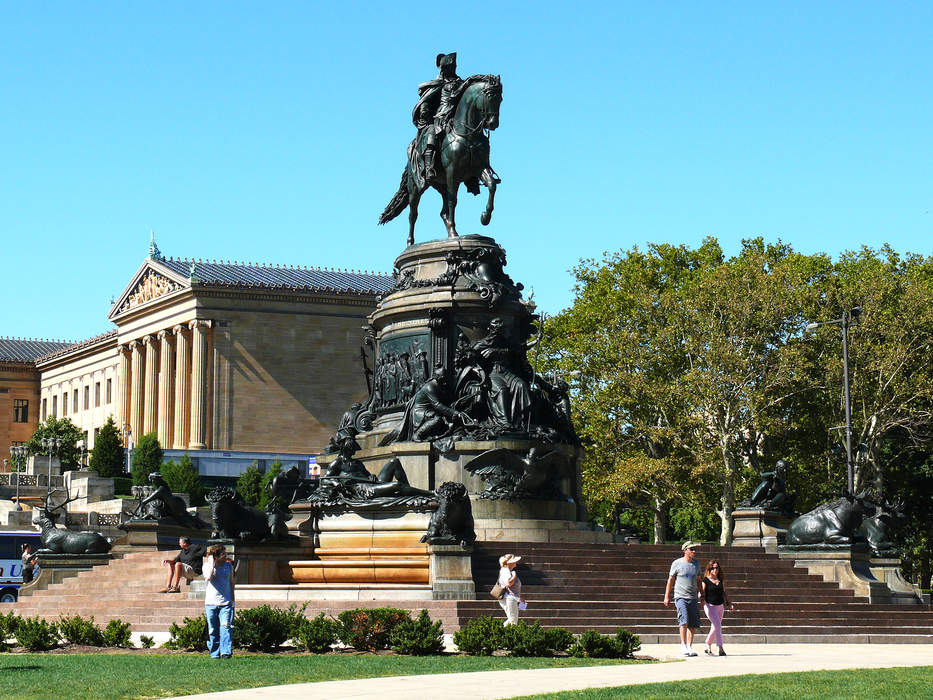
188, 572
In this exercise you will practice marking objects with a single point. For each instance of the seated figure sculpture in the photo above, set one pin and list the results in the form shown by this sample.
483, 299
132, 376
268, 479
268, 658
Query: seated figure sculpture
427, 415
771, 493
161, 504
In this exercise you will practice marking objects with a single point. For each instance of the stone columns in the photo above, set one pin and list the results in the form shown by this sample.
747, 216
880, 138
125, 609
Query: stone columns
136, 391
199, 377
166, 388
182, 388
151, 384
121, 409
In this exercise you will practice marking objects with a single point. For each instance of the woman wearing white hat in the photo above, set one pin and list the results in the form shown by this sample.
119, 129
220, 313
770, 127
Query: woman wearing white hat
512, 586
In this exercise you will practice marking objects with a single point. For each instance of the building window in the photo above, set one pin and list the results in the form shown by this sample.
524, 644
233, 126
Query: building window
96, 394
45, 409
65, 404
20, 410
96, 433
87, 397
55, 406
74, 403
109, 391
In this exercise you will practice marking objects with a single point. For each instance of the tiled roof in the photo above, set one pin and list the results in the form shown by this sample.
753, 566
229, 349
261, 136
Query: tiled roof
77, 346
28, 350
226, 274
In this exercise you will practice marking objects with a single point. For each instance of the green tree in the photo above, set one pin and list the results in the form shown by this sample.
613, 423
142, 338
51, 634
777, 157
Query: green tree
265, 495
63, 429
107, 457
147, 458
249, 485
183, 477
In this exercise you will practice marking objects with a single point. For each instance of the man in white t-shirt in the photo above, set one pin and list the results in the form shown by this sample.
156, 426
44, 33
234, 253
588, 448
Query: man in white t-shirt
684, 579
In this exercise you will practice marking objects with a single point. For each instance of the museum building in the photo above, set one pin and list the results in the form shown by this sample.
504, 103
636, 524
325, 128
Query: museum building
228, 362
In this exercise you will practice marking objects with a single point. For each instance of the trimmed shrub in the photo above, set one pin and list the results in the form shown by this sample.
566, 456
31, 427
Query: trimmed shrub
182, 477
265, 628
628, 643
37, 634
526, 640
596, 646
559, 639
117, 634
481, 636
191, 634
317, 635
146, 642
249, 485
8, 625
77, 630
107, 457
147, 458
122, 486
419, 637
369, 629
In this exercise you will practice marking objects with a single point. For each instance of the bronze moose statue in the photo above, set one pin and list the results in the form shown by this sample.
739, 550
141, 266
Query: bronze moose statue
56, 540
835, 522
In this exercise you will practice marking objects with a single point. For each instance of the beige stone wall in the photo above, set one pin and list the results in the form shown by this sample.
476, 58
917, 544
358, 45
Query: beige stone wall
283, 372
17, 381
83, 370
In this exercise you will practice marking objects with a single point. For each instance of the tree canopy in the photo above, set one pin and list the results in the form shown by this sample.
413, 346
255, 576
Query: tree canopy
693, 373
63, 429
107, 458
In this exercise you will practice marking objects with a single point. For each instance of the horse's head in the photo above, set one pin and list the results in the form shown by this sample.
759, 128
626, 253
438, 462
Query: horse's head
492, 96
479, 106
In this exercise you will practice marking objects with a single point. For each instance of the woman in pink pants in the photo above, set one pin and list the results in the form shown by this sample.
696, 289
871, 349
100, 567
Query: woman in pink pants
715, 601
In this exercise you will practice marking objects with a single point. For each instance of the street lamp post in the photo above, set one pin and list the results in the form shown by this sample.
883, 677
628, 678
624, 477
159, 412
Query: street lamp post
51, 446
129, 448
18, 452
845, 322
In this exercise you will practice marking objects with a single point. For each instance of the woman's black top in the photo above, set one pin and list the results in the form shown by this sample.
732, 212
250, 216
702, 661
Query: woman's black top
714, 593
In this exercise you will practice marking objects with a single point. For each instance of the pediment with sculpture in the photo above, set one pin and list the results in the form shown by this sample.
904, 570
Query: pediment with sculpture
151, 286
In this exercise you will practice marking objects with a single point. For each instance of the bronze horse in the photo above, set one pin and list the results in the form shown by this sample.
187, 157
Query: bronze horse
463, 157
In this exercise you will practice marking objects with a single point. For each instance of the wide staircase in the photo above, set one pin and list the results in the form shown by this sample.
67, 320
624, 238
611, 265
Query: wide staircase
126, 588
603, 587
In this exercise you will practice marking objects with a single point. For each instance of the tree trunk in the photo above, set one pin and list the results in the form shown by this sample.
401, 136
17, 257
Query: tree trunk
660, 521
728, 501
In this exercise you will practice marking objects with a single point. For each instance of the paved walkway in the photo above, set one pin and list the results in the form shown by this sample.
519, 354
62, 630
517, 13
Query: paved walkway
742, 659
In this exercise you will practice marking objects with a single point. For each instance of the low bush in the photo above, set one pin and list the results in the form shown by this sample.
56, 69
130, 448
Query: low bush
117, 634
596, 646
77, 630
527, 640
36, 634
481, 636
191, 634
419, 637
559, 639
146, 642
369, 629
628, 643
122, 486
317, 635
265, 628
8, 625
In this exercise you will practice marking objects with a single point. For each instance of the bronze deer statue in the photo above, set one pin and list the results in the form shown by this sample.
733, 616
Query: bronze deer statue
56, 540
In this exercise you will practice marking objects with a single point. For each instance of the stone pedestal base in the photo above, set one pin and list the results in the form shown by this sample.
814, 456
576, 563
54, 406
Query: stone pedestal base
451, 572
847, 565
888, 570
754, 527
55, 568
151, 534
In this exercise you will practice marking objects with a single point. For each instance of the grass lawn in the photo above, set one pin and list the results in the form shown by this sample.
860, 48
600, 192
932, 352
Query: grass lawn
97, 676
915, 682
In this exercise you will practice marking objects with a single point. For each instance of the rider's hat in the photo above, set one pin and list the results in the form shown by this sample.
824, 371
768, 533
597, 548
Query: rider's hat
446, 59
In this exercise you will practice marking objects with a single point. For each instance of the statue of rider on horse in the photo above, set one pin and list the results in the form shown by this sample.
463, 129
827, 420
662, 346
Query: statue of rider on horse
453, 117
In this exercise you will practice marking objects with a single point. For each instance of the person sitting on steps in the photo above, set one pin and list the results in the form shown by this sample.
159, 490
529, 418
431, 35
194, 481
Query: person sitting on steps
188, 563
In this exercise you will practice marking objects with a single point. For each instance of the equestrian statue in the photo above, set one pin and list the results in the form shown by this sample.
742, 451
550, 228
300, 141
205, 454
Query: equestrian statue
453, 117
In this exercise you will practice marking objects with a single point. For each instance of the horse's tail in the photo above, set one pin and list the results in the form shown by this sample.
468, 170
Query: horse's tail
398, 203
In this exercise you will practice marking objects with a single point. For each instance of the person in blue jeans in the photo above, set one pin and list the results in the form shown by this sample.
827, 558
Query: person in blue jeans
683, 579
219, 602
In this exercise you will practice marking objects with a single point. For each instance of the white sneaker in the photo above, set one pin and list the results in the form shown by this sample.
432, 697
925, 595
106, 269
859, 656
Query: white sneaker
691, 652
685, 650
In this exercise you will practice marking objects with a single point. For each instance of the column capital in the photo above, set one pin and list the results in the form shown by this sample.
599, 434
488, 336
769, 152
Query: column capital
149, 339
199, 323
179, 327
163, 334
135, 344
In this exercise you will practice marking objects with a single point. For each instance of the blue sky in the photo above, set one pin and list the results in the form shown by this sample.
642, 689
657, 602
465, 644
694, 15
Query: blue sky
276, 132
